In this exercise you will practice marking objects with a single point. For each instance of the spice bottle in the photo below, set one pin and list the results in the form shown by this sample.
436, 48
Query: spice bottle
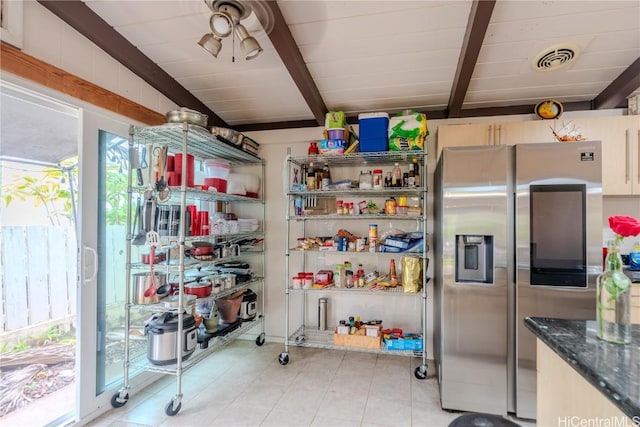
377, 179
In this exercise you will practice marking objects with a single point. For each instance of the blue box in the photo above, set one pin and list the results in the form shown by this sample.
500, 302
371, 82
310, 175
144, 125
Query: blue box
373, 132
414, 344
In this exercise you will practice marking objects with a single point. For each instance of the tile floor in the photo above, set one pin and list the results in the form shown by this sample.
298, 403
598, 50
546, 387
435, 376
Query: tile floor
245, 385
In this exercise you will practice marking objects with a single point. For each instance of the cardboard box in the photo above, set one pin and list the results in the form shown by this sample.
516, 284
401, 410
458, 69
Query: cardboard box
373, 330
361, 341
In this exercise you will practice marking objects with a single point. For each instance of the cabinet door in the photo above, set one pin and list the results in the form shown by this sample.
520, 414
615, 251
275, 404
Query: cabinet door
524, 132
465, 135
620, 151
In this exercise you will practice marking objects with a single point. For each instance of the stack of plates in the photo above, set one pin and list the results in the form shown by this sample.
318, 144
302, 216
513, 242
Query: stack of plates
248, 224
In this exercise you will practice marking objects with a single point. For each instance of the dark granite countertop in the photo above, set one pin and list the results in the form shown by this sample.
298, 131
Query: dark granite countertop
613, 369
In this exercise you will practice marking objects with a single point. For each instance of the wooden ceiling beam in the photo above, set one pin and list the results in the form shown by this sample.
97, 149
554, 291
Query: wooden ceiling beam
84, 20
614, 95
287, 48
479, 17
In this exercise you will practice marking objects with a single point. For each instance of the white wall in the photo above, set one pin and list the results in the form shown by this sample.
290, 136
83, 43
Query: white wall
48, 38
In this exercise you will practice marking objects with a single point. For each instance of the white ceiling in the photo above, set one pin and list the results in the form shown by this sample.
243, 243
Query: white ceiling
385, 55
362, 55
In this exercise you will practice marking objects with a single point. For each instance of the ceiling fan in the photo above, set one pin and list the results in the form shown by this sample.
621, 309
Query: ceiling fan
225, 21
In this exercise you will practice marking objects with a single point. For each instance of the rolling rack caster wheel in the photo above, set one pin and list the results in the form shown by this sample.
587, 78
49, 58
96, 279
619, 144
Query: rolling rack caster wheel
421, 372
299, 339
260, 340
169, 410
283, 359
119, 402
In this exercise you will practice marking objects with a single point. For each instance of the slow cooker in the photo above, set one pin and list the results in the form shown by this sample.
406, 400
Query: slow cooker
248, 308
162, 337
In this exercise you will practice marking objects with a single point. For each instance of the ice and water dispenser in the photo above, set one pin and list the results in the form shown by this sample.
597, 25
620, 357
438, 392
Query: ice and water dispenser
474, 258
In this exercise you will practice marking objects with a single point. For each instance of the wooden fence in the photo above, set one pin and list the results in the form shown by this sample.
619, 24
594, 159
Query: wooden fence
39, 274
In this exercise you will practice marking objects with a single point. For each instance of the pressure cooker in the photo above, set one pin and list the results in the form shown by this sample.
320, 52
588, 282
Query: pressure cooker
162, 337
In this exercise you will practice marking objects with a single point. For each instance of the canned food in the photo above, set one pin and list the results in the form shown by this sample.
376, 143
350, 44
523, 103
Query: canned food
373, 231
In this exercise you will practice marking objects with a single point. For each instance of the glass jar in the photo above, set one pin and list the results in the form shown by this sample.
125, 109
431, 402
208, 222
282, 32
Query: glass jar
366, 180
614, 299
390, 206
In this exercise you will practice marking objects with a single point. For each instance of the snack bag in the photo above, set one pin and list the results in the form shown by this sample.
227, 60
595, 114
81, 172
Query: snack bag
411, 272
408, 132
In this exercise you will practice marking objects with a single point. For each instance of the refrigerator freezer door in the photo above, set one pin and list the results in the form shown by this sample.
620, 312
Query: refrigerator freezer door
558, 245
472, 288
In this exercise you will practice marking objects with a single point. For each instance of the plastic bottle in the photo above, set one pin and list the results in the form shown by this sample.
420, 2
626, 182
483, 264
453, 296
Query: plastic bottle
326, 176
338, 276
393, 275
416, 172
396, 176
311, 178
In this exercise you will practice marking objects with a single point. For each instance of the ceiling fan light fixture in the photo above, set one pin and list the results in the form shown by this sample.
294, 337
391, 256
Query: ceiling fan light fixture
249, 45
224, 21
211, 44
221, 24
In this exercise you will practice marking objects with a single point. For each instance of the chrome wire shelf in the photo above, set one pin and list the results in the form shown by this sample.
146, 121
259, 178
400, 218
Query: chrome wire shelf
202, 143
161, 307
398, 290
309, 337
375, 157
163, 266
361, 216
141, 362
350, 192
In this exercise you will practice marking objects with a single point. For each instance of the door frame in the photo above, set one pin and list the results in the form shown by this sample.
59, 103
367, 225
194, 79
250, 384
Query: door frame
89, 403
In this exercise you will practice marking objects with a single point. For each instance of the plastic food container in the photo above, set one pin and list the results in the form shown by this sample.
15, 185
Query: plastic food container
217, 168
336, 133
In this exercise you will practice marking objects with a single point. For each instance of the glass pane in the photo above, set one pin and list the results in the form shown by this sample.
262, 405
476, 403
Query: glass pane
113, 170
558, 249
38, 280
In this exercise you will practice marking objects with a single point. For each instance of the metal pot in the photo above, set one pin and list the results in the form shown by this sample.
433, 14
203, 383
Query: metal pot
141, 281
186, 115
201, 248
162, 338
200, 289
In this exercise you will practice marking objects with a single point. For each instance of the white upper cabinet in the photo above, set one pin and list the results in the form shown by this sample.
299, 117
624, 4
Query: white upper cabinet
620, 138
620, 151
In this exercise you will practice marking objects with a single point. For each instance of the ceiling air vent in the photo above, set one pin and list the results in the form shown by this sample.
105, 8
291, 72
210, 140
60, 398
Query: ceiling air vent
555, 57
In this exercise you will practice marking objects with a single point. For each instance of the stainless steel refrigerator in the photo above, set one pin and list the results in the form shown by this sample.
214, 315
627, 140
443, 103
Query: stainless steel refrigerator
518, 232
